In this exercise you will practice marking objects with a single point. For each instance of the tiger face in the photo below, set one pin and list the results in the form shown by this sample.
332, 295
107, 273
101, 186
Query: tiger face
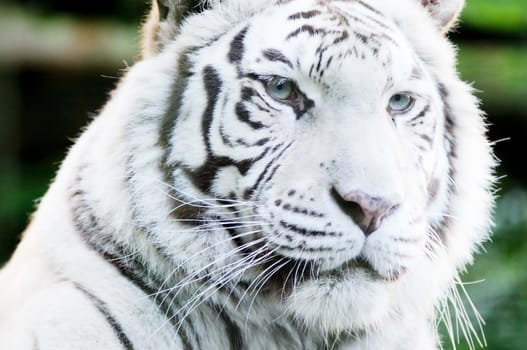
322, 135
354, 123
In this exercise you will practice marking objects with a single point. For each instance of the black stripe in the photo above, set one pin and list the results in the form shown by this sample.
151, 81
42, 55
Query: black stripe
421, 114
237, 49
425, 138
261, 155
249, 192
275, 55
311, 70
179, 87
320, 57
261, 108
363, 38
183, 333
239, 141
244, 115
234, 333
304, 15
450, 137
312, 31
271, 175
105, 311
305, 232
298, 210
303, 248
329, 62
213, 85
369, 7
262, 142
341, 38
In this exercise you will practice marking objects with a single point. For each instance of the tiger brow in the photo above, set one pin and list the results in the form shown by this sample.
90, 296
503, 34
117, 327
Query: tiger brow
416, 73
312, 31
276, 56
305, 15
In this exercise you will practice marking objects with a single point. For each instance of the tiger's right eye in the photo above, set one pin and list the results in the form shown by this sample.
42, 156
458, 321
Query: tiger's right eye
280, 88
400, 103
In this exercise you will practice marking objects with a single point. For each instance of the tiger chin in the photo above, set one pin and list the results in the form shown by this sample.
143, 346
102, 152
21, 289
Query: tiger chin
271, 174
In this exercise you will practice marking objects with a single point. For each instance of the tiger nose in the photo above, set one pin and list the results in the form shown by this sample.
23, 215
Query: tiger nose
366, 211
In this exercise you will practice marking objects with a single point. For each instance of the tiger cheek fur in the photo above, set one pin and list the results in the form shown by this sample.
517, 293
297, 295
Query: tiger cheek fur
283, 174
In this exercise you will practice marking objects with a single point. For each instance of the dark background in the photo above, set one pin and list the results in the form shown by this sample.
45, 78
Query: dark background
60, 58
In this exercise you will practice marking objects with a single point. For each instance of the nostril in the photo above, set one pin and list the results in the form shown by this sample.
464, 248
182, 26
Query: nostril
366, 211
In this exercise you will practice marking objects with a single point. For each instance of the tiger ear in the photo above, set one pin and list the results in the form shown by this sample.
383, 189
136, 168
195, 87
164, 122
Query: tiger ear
445, 12
164, 20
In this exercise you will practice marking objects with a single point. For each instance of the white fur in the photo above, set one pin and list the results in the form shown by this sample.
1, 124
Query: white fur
53, 273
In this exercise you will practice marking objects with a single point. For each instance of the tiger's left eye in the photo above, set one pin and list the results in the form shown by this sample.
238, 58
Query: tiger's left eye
400, 103
281, 88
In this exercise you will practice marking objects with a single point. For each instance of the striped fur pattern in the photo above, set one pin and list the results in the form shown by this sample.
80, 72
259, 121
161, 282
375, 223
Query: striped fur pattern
293, 174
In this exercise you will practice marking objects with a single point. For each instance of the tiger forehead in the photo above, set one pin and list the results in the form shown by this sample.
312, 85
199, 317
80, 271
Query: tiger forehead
333, 31
341, 17
348, 28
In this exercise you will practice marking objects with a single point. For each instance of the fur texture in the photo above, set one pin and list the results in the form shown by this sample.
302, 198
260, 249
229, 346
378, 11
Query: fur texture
271, 175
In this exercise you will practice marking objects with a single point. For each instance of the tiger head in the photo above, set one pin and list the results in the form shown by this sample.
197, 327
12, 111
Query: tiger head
332, 142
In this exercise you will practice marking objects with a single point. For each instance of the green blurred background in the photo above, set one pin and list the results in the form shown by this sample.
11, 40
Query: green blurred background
60, 58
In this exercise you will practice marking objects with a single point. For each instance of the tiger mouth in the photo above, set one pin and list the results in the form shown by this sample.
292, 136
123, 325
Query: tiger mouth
295, 272
351, 266
360, 263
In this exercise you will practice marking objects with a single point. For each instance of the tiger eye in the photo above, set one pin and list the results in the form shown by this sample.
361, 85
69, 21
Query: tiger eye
280, 88
400, 103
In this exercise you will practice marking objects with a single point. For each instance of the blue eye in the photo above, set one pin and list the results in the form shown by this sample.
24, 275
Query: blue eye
400, 103
280, 88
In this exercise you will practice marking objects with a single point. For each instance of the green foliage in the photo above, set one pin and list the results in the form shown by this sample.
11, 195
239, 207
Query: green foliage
499, 16
497, 282
499, 72
20, 188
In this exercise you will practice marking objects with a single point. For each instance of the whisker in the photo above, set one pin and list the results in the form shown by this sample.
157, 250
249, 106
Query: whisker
191, 278
213, 288
200, 252
460, 324
208, 291
264, 281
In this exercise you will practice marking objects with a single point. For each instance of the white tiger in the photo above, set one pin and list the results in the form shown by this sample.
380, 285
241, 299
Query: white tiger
273, 174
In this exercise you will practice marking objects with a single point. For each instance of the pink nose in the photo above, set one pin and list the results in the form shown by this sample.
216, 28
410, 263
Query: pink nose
366, 211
